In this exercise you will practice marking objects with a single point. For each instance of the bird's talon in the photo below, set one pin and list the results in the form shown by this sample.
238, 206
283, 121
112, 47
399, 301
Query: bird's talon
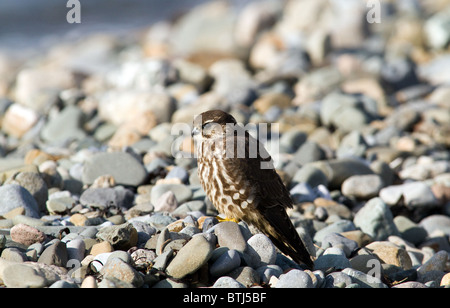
221, 219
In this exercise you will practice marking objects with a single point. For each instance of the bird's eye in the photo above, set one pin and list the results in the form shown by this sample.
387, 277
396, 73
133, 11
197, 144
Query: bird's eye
206, 125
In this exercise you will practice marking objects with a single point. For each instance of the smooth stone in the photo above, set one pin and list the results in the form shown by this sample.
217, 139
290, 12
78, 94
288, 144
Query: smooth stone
167, 202
24, 276
245, 275
119, 269
55, 254
333, 257
121, 237
190, 257
362, 186
364, 280
436, 263
390, 254
26, 235
409, 230
410, 285
62, 284
261, 250
89, 282
339, 241
228, 283
105, 197
123, 167
182, 192
65, 125
310, 175
227, 262
435, 223
365, 263
60, 205
229, 235
178, 173
295, 279
267, 271
338, 170
34, 183
336, 279
14, 196
76, 249
375, 219
339, 226
13, 254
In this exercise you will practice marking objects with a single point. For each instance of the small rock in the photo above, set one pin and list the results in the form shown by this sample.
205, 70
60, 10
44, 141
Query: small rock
362, 186
227, 282
13, 254
339, 241
55, 254
23, 276
121, 270
391, 254
436, 263
445, 280
364, 280
375, 219
227, 262
410, 284
245, 275
190, 258
229, 235
336, 227
167, 202
333, 257
182, 192
409, 230
267, 271
261, 250
295, 279
125, 169
76, 249
336, 279
434, 223
26, 235
14, 196
121, 237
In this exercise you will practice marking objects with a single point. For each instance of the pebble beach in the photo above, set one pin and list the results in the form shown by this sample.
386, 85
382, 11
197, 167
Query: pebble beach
99, 187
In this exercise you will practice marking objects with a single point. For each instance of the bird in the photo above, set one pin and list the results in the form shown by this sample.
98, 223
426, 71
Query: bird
239, 178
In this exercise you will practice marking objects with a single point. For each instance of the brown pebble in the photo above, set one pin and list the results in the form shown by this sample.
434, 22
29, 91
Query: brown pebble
27, 235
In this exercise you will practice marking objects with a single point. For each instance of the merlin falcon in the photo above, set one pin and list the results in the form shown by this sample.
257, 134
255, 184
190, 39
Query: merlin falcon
238, 177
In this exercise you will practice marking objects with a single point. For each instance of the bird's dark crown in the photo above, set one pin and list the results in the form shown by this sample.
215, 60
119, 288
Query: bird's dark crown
217, 116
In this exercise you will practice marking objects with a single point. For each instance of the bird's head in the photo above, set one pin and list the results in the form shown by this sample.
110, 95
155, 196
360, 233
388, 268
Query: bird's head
213, 124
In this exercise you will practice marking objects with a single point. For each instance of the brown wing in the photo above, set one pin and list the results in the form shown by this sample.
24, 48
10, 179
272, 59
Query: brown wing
272, 198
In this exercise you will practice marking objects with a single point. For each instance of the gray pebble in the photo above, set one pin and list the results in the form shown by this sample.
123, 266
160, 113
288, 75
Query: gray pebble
339, 241
364, 280
14, 196
295, 279
227, 282
227, 262
229, 235
261, 250
375, 218
333, 257
125, 169
267, 271
182, 192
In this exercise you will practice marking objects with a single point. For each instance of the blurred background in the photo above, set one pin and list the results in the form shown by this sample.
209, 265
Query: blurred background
34, 24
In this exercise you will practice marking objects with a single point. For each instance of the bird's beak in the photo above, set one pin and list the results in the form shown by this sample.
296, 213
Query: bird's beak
195, 131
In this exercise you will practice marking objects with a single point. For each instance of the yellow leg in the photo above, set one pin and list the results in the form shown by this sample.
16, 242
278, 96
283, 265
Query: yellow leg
222, 218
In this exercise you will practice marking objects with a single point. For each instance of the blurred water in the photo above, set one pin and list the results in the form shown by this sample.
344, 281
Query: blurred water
34, 24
